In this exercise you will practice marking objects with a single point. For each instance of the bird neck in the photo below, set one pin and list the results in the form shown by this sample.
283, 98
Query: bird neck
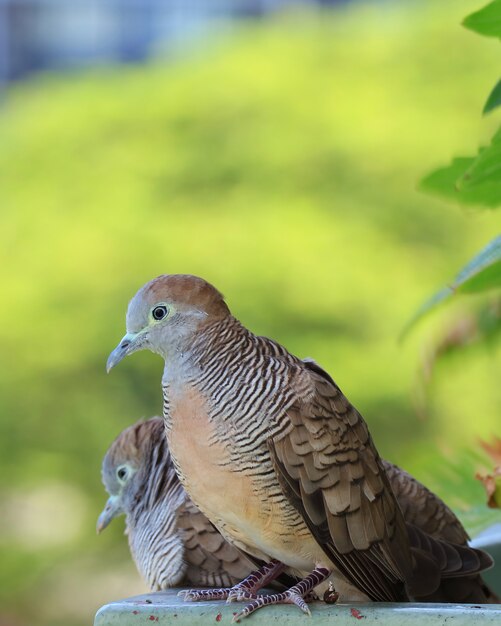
157, 547
214, 341
229, 368
151, 522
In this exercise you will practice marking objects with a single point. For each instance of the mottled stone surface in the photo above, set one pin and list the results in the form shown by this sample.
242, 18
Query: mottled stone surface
167, 608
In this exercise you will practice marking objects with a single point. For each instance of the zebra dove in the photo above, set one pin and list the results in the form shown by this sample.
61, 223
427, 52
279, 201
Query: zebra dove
272, 452
170, 540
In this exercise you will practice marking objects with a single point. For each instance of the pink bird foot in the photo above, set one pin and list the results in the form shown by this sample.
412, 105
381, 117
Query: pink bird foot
294, 595
244, 590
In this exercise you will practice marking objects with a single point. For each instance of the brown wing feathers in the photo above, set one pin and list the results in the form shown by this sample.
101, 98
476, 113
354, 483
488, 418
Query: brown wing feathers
331, 471
355, 565
329, 468
211, 560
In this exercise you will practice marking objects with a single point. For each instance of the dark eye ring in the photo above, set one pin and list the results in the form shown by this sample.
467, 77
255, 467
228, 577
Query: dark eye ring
122, 473
159, 312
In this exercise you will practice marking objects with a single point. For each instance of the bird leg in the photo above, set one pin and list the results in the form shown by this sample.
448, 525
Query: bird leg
244, 590
247, 588
294, 595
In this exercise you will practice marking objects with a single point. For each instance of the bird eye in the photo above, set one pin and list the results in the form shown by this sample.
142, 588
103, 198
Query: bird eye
159, 312
122, 473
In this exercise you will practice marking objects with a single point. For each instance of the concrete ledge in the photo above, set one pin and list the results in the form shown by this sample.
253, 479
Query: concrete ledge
165, 607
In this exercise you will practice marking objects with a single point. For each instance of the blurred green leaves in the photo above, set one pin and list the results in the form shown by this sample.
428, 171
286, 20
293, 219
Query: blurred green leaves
494, 99
485, 171
473, 181
482, 273
486, 21
444, 182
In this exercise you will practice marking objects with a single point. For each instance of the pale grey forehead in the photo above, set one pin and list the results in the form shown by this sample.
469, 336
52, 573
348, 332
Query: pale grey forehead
108, 473
137, 312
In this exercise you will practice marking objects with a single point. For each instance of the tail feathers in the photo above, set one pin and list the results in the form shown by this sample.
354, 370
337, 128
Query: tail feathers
467, 590
446, 572
452, 559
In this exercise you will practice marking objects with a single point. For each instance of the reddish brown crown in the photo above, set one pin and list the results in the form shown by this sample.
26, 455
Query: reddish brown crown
188, 290
132, 443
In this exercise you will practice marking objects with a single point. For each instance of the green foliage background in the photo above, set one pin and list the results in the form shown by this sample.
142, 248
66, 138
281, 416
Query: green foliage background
280, 164
474, 181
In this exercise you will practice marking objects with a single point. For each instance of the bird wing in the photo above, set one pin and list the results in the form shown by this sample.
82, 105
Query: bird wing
211, 559
329, 468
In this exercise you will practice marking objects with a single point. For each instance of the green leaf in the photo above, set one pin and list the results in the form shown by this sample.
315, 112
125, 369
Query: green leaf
482, 273
494, 99
486, 169
442, 181
486, 21
468, 180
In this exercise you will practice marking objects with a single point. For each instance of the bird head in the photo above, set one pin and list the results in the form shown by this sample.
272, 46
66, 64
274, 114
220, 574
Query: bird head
122, 468
139, 475
166, 312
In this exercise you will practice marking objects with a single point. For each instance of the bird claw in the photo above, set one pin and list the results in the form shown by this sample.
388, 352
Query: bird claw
294, 598
295, 595
240, 595
287, 597
243, 591
199, 595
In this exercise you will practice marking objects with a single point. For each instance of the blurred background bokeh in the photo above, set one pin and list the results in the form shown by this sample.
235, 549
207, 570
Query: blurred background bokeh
273, 148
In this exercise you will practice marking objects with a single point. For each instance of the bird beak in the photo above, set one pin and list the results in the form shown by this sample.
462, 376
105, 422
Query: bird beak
111, 510
128, 344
